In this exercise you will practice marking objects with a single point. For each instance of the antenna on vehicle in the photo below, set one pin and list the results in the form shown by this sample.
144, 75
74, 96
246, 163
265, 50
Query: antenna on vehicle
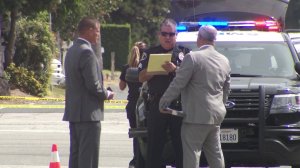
194, 10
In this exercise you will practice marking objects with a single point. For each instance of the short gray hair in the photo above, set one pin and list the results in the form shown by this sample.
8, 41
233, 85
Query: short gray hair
207, 32
168, 22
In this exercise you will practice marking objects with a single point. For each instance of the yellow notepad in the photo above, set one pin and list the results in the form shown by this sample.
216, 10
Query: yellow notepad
155, 63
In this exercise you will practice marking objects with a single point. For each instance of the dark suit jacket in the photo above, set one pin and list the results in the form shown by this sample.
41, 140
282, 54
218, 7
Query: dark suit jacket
85, 94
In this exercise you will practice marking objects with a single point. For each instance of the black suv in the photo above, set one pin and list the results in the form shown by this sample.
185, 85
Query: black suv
262, 124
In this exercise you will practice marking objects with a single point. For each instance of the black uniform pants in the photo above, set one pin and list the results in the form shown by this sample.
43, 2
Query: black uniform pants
130, 110
157, 125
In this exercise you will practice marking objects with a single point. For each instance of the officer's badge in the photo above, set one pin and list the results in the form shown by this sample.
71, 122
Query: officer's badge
144, 56
140, 66
181, 56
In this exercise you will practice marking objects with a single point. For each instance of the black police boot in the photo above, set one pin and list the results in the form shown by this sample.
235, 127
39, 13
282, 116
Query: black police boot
132, 163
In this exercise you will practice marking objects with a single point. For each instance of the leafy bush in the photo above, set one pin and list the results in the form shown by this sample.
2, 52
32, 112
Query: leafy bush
35, 47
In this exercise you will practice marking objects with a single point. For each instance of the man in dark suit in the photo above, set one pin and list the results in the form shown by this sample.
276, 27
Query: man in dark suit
203, 79
85, 95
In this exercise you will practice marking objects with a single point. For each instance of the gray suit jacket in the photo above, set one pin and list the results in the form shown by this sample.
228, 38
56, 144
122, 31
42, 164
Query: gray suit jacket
203, 79
85, 94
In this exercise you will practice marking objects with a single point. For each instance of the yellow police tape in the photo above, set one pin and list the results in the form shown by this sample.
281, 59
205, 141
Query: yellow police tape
123, 102
30, 98
53, 99
36, 106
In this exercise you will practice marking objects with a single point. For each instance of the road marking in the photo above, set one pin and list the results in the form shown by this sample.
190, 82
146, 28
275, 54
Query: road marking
52, 106
53, 99
55, 131
30, 98
32, 166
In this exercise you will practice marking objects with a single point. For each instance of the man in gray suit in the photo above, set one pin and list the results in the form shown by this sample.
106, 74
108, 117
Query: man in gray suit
203, 79
85, 96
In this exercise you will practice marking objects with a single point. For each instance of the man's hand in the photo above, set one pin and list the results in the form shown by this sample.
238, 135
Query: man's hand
169, 66
165, 111
110, 95
163, 105
144, 76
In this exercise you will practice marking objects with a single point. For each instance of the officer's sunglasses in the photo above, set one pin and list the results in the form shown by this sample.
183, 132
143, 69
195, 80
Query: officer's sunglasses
165, 34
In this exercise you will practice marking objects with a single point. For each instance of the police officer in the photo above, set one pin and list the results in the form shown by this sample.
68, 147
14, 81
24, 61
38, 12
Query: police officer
133, 93
158, 123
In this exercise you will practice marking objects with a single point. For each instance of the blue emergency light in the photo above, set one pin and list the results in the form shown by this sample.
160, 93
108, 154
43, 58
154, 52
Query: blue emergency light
213, 23
186, 26
181, 28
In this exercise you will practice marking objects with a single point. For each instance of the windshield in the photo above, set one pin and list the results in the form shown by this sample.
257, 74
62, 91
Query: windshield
255, 58
297, 46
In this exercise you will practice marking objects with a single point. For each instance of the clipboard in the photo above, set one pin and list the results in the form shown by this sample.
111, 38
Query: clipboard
155, 62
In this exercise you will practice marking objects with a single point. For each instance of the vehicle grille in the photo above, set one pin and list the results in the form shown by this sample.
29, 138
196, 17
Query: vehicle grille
244, 116
246, 104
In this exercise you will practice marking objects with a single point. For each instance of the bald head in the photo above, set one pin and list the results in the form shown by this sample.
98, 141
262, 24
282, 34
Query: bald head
206, 35
207, 32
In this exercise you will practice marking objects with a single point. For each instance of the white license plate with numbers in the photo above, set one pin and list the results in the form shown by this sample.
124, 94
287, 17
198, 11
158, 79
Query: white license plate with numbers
229, 136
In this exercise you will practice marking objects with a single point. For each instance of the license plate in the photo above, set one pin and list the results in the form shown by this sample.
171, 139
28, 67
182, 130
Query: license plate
229, 136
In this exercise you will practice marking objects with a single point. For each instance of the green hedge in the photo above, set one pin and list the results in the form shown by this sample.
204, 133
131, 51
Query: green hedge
115, 38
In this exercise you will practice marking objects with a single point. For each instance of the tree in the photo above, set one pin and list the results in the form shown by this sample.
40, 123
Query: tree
35, 48
144, 16
69, 12
292, 18
66, 15
15, 8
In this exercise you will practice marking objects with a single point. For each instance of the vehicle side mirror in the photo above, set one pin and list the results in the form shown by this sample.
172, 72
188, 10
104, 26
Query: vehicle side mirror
297, 67
132, 74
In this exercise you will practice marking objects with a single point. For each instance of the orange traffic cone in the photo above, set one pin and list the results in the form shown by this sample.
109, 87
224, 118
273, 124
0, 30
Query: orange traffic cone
54, 163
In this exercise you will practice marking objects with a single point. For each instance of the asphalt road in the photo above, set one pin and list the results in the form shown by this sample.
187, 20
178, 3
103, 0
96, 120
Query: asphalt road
26, 140
27, 132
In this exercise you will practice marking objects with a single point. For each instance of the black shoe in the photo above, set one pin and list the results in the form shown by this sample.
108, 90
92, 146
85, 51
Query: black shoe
132, 163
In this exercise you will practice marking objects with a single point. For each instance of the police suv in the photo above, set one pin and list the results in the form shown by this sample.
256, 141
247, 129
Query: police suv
262, 125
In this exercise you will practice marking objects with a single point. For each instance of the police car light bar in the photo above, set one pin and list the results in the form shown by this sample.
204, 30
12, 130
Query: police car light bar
213, 23
185, 26
264, 25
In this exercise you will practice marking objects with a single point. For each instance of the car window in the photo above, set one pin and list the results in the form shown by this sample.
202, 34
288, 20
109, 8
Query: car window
297, 48
294, 35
